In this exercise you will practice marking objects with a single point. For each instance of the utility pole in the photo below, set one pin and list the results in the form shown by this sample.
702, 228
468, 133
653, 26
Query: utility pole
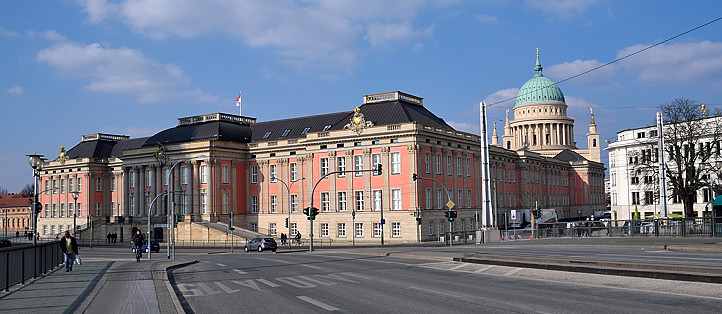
662, 166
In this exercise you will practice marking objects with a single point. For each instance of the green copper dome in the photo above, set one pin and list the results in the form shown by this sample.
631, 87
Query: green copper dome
538, 89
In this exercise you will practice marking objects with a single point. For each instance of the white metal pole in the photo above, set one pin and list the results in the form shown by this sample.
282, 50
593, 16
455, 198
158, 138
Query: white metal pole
662, 166
487, 216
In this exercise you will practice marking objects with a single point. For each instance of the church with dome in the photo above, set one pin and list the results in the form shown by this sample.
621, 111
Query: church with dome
541, 124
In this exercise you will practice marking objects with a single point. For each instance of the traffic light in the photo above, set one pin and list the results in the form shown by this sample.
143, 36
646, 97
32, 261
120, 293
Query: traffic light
305, 211
313, 213
379, 169
418, 220
450, 215
38, 207
414, 177
286, 224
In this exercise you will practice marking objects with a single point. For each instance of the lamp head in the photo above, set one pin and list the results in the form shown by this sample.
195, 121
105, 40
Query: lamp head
35, 161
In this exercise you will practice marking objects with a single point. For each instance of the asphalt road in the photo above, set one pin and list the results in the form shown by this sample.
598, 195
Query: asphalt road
337, 281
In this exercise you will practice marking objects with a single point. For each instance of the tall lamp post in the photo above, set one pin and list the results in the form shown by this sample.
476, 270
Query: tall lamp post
288, 192
36, 162
75, 212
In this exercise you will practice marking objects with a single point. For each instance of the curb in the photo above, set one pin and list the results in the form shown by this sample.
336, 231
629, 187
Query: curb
180, 303
629, 272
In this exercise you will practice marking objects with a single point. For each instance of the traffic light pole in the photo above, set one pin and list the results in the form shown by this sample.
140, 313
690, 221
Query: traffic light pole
448, 197
312, 217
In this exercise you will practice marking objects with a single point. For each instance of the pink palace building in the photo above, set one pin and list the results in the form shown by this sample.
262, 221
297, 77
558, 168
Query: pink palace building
260, 175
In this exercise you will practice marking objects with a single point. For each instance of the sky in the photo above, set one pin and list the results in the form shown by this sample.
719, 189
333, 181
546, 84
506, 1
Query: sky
74, 67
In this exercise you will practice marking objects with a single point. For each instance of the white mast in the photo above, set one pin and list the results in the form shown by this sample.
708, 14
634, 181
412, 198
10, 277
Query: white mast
662, 165
487, 217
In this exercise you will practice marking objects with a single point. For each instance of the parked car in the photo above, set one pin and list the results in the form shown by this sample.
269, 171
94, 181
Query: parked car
261, 244
5, 243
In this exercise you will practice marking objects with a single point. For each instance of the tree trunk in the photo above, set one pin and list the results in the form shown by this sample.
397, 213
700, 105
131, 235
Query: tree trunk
689, 206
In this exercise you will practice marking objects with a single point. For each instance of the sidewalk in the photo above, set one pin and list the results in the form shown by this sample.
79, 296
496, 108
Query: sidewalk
58, 292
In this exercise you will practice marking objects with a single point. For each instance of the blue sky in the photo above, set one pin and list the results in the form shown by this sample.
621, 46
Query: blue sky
132, 67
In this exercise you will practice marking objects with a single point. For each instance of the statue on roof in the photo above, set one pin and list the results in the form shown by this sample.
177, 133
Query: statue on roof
358, 122
62, 156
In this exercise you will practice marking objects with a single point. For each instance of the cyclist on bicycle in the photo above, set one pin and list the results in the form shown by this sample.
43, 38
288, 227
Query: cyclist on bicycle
138, 241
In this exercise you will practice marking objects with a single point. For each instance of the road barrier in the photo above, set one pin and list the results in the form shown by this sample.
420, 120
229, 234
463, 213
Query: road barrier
21, 263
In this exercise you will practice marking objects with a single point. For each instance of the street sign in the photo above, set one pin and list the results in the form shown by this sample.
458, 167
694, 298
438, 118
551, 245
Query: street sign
450, 204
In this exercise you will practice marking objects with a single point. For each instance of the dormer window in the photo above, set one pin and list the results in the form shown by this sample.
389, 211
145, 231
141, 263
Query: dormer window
305, 130
267, 135
285, 132
326, 128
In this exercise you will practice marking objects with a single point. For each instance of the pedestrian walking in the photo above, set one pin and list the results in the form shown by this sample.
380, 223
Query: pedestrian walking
283, 239
70, 250
298, 238
107, 238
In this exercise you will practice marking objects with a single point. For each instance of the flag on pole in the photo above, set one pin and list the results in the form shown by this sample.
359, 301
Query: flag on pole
238, 103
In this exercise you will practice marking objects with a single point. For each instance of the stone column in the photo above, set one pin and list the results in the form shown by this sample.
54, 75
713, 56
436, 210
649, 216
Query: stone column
159, 189
126, 192
234, 189
211, 188
195, 191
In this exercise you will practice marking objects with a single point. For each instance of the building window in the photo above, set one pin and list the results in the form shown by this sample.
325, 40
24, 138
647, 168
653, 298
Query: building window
459, 167
149, 177
706, 195
166, 176
187, 203
294, 229
80, 183
395, 163
375, 161
358, 165
460, 197
45, 229
377, 230
358, 230
254, 174
294, 203
324, 230
98, 184
225, 202
396, 199
341, 201
648, 197
185, 174
437, 162
272, 173
449, 165
429, 198
204, 173
324, 166
467, 167
226, 174
377, 200
112, 183
341, 230
635, 198
61, 213
293, 171
395, 229
341, 166
427, 163
62, 185
204, 201
325, 201
131, 200
272, 229
441, 199
468, 198
635, 180
254, 204
359, 200
274, 203
253, 226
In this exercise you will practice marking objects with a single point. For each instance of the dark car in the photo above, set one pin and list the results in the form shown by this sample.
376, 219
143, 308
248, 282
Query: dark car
154, 247
261, 244
5, 243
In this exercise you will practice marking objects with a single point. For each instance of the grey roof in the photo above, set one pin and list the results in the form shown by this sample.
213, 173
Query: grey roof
122, 146
381, 113
569, 156
218, 130
102, 148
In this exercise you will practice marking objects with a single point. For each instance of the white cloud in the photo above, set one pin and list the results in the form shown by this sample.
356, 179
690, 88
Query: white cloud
49, 35
323, 33
561, 8
508, 95
16, 90
380, 33
567, 69
675, 62
122, 71
487, 19
465, 126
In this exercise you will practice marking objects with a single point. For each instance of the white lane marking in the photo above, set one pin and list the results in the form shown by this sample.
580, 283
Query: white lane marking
292, 263
268, 283
513, 271
317, 281
222, 265
458, 266
225, 288
318, 303
311, 266
483, 269
247, 283
240, 272
296, 282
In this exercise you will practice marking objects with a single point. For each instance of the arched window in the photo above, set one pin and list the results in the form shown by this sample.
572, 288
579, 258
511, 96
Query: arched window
594, 142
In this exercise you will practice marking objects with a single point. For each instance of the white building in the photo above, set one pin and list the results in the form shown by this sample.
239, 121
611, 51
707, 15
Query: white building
634, 189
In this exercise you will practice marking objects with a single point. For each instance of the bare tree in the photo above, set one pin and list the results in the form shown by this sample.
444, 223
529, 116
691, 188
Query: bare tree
27, 190
3, 191
692, 141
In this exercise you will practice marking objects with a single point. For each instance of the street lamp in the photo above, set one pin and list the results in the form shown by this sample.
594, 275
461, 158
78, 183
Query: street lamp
36, 162
288, 192
448, 197
75, 212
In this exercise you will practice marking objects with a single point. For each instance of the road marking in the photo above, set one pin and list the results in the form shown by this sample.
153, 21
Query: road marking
316, 280
250, 283
513, 271
225, 288
296, 282
222, 265
240, 272
483, 269
312, 266
189, 290
207, 289
458, 266
318, 303
268, 283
